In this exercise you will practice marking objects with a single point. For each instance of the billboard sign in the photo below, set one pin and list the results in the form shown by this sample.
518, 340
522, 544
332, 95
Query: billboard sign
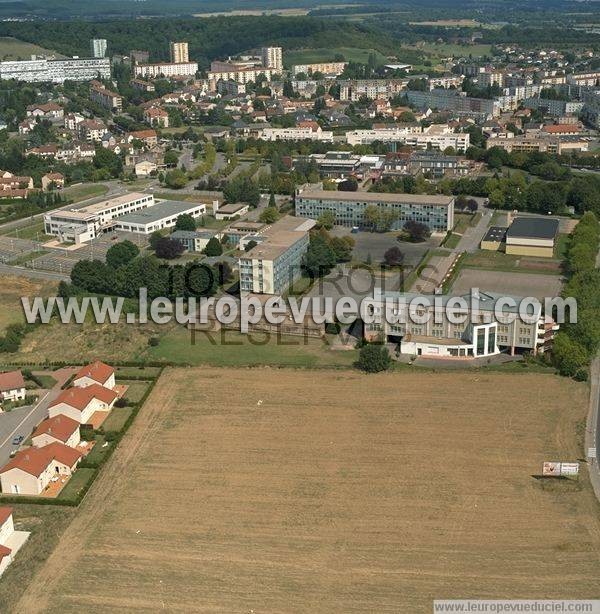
556, 469
551, 469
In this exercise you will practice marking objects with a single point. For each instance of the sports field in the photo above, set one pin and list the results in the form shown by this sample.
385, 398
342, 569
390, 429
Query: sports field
273, 490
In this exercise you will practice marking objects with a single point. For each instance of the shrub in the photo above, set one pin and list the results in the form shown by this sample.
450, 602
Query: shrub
373, 358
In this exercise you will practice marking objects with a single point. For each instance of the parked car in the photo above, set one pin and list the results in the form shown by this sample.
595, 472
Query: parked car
17, 440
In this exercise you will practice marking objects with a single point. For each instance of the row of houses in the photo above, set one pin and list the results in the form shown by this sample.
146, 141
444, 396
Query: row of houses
56, 445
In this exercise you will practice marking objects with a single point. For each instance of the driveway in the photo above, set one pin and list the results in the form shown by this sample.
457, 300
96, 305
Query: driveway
23, 420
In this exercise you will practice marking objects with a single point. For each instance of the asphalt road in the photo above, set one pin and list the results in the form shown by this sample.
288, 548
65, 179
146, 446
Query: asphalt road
23, 420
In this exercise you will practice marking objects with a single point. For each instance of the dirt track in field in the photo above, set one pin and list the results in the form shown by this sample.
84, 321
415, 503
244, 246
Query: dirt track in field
301, 491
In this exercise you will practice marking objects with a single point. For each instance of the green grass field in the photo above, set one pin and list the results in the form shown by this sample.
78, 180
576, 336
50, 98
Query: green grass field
225, 349
80, 192
311, 56
447, 49
14, 49
115, 421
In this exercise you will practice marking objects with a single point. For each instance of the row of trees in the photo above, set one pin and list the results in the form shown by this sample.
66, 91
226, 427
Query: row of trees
578, 342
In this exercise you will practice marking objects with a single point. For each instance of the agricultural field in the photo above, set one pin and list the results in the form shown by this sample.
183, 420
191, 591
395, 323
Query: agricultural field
15, 49
256, 496
83, 191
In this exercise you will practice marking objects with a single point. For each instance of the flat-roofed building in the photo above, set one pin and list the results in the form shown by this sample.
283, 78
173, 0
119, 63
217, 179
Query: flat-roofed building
162, 215
165, 69
445, 328
326, 68
82, 225
241, 75
56, 71
435, 211
437, 136
493, 238
532, 236
272, 265
231, 210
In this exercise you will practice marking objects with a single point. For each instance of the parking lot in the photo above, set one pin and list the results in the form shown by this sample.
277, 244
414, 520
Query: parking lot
373, 245
515, 284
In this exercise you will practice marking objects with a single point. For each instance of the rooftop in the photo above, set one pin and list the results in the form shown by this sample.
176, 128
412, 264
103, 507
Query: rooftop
80, 398
533, 228
94, 209
12, 380
279, 237
35, 460
166, 208
98, 371
495, 233
60, 427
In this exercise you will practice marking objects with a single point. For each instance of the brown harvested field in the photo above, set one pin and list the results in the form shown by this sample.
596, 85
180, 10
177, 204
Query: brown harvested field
301, 491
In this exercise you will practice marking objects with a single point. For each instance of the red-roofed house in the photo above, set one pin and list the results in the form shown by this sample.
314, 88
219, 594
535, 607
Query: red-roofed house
562, 129
12, 386
81, 403
95, 373
10, 540
61, 429
31, 470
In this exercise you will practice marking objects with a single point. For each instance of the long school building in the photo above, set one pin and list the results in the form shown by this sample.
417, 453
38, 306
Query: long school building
437, 212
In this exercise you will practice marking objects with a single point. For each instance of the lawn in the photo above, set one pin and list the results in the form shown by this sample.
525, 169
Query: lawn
370, 494
313, 56
116, 420
452, 241
15, 49
135, 372
135, 390
499, 261
230, 348
448, 49
77, 193
76, 483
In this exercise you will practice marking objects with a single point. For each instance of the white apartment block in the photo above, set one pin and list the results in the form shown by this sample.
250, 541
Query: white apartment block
98, 47
326, 68
435, 136
371, 88
56, 71
82, 225
272, 57
105, 98
296, 134
242, 75
165, 69
161, 215
179, 53
272, 265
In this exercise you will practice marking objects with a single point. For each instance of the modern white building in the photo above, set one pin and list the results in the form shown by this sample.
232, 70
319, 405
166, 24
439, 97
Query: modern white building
435, 136
297, 133
326, 68
98, 47
82, 225
166, 69
56, 71
241, 75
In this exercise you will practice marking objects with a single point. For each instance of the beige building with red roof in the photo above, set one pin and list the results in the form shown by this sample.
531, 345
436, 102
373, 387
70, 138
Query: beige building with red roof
81, 404
10, 540
60, 429
31, 470
12, 386
95, 373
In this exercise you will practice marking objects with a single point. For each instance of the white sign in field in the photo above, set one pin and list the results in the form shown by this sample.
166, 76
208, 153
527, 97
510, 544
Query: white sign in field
556, 469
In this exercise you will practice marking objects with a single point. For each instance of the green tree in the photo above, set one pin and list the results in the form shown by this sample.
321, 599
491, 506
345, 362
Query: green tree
185, 222
319, 258
373, 358
269, 215
326, 220
176, 179
120, 254
213, 247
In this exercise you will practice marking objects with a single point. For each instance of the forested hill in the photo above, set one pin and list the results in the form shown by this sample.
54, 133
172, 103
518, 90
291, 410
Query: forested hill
208, 38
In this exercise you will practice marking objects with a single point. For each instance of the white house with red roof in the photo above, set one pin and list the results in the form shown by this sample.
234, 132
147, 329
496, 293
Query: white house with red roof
30, 471
12, 386
59, 429
95, 373
10, 540
81, 403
